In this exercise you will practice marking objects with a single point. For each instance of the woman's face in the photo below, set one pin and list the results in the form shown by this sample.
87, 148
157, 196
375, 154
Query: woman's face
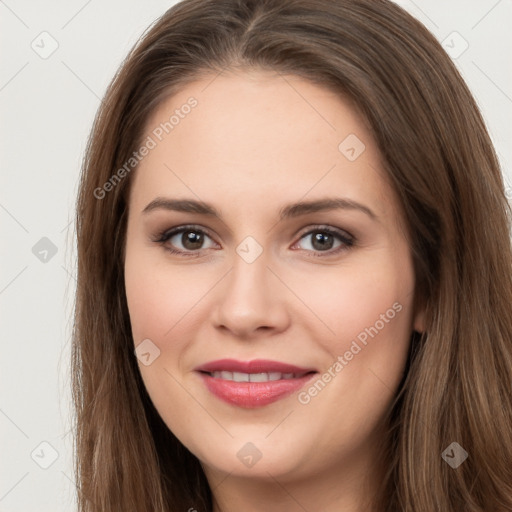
277, 274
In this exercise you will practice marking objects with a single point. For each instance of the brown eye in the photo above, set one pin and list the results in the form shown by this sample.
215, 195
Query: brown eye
327, 240
184, 240
191, 240
321, 241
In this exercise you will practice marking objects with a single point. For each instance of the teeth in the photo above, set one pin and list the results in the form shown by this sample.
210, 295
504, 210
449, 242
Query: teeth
258, 377
240, 377
251, 377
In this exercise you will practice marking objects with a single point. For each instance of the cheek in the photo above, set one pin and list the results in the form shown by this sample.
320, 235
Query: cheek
361, 300
161, 307
368, 311
377, 311
157, 298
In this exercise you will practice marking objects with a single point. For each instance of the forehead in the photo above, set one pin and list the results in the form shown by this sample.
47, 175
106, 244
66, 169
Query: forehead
261, 136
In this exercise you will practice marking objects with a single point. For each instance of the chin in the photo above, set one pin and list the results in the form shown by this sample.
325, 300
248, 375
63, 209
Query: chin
258, 458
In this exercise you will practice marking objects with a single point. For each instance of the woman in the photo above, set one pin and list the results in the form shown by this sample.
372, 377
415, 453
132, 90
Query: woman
294, 271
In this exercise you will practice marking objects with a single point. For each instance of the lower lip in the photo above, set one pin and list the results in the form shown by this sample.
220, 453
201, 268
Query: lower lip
253, 394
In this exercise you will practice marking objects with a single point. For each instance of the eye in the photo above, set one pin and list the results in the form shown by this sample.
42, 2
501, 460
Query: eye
322, 239
191, 238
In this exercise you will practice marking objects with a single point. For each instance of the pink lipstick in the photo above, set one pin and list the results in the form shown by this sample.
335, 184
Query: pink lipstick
255, 383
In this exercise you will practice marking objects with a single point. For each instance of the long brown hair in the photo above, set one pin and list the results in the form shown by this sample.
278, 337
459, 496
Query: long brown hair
439, 158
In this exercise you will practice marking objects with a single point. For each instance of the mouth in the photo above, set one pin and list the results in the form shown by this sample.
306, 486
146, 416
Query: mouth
253, 377
251, 384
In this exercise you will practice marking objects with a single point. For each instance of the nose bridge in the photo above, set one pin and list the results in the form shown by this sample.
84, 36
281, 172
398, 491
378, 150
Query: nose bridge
248, 282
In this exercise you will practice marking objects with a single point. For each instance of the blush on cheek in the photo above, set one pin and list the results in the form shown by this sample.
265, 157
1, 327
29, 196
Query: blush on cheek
374, 326
150, 302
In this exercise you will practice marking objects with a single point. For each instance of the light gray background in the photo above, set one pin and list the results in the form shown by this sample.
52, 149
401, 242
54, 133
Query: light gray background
47, 106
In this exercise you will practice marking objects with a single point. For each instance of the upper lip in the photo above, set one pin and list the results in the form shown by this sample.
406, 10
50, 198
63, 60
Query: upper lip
254, 366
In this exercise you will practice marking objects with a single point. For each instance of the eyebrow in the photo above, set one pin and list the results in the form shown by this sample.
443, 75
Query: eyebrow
288, 211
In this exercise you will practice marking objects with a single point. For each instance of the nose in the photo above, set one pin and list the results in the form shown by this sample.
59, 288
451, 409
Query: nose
251, 300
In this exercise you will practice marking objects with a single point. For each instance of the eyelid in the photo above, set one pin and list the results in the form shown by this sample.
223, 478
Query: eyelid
179, 229
327, 228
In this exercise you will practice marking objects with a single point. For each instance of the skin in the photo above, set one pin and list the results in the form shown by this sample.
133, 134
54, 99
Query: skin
255, 142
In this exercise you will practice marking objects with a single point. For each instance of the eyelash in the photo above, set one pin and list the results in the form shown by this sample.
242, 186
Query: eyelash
345, 238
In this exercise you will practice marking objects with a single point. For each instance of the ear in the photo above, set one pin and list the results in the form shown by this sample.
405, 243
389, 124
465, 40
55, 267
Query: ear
419, 319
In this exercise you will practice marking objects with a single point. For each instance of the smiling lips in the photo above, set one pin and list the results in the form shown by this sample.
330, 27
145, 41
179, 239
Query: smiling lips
254, 383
